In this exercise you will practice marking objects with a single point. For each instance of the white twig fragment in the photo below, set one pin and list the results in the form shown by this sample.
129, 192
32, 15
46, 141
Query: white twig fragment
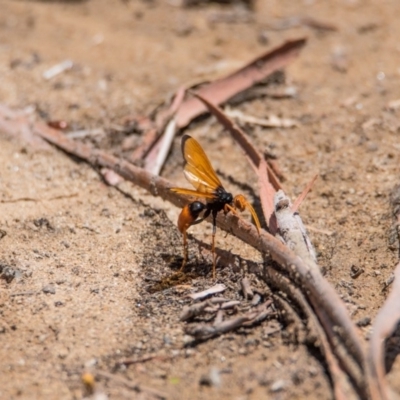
271, 122
291, 228
84, 133
384, 325
57, 69
163, 150
213, 290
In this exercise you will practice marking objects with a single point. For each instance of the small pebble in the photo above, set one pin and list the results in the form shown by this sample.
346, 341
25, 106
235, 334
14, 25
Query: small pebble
49, 289
213, 378
256, 299
63, 353
277, 386
364, 321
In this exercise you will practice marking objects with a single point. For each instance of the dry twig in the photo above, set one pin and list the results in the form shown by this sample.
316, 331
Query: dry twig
157, 156
385, 322
246, 288
384, 325
196, 309
314, 327
204, 331
208, 292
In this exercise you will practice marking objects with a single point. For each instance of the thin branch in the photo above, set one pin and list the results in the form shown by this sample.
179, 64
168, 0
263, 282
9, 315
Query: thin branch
338, 378
304, 194
384, 325
386, 321
267, 192
247, 291
196, 309
156, 158
205, 331
208, 292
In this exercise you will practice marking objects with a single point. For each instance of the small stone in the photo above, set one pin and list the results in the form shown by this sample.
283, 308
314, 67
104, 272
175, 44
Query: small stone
63, 353
9, 273
49, 289
364, 321
277, 386
91, 363
211, 379
28, 274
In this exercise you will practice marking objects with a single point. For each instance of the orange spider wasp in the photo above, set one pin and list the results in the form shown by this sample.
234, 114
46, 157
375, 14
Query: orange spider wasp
199, 172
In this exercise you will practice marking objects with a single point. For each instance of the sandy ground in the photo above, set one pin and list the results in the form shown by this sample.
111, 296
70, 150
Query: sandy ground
86, 255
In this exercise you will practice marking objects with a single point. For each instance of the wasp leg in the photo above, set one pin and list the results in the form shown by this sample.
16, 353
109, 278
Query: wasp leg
185, 251
214, 214
187, 218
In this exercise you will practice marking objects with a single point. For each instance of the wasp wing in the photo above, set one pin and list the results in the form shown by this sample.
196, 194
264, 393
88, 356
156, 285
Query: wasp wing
194, 193
198, 170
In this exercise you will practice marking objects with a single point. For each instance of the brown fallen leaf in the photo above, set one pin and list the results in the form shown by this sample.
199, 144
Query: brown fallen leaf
223, 89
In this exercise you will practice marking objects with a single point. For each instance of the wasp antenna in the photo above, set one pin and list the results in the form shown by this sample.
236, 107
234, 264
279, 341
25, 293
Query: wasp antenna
241, 203
255, 217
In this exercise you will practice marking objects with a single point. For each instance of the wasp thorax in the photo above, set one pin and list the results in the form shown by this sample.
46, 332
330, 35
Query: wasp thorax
225, 197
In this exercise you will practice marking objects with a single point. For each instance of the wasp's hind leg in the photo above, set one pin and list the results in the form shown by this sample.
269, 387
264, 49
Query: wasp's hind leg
185, 251
186, 219
214, 215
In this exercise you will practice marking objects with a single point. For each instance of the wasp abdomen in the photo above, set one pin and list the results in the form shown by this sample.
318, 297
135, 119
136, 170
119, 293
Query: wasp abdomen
189, 214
